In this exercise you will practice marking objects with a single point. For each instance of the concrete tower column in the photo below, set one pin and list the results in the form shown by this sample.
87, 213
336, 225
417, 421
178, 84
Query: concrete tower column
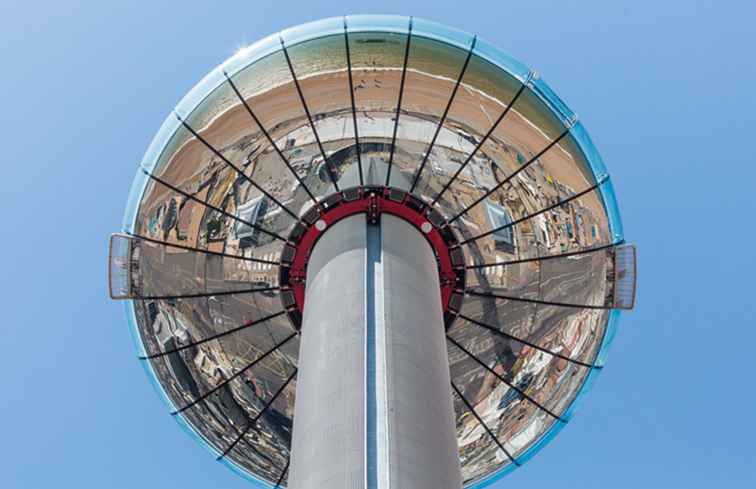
374, 407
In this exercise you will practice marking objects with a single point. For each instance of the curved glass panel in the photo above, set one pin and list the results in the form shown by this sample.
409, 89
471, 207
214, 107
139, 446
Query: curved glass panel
547, 94
440, 32
376, 64
248, 55
321, 68
200, 91
433, 69
132, 202
502, 60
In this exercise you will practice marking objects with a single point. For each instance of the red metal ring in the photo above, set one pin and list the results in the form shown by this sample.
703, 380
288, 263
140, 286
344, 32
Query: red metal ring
372, 201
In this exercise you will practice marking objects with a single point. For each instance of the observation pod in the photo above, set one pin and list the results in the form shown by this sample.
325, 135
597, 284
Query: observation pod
372, 251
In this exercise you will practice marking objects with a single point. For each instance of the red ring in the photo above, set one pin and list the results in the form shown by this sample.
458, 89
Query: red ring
372, 201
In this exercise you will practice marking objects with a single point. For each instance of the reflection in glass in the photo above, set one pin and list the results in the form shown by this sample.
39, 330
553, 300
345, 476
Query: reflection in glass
262, 139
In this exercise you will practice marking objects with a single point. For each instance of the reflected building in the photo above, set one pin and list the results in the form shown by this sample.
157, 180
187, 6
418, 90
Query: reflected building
387, 227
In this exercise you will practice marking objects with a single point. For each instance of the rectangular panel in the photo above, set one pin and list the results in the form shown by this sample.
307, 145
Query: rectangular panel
119, 267
624, 277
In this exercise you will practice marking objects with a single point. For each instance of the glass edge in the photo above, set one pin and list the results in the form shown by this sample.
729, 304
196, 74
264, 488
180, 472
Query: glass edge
136, 191
131, 322
503, 60
200, 91
157, 145
251, 53
610, 333
599, 170
397, 24
609, 199
541, 443
493, 477
429, 29
272, 43
245, 474
298, 34
544, 91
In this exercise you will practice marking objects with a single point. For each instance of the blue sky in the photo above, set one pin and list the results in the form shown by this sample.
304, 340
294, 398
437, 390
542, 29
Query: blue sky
666, 90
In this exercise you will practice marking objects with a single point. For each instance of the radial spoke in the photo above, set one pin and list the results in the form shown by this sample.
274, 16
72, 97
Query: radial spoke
235, 168
283, 474
278, 151
208, 252
354, 107
510, 177
203, 294
537, 213
547, 257
480, 144
326, 161
443, 116
399, 102
225, 382
502, 379
525, 342
484, 425
216, 209
535, 301
214, 337
253, 422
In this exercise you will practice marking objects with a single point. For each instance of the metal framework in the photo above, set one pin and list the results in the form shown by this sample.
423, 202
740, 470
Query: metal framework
443, 116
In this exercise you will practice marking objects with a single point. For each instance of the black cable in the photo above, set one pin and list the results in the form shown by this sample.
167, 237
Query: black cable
272, 142
537, 213
213, 337
502, 379
253, 422
525, 342
443, 116
535, 301
220, 385
547, 257
510, 177
331, 172
283, 474
480, 144
484, 425
202, 294
208, 252
399, 102
216, 209
236, 169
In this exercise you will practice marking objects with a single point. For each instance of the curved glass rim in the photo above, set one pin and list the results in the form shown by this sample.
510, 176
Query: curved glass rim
390, 24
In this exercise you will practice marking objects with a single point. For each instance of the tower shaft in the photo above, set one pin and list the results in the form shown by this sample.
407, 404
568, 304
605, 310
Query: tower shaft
374, 407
